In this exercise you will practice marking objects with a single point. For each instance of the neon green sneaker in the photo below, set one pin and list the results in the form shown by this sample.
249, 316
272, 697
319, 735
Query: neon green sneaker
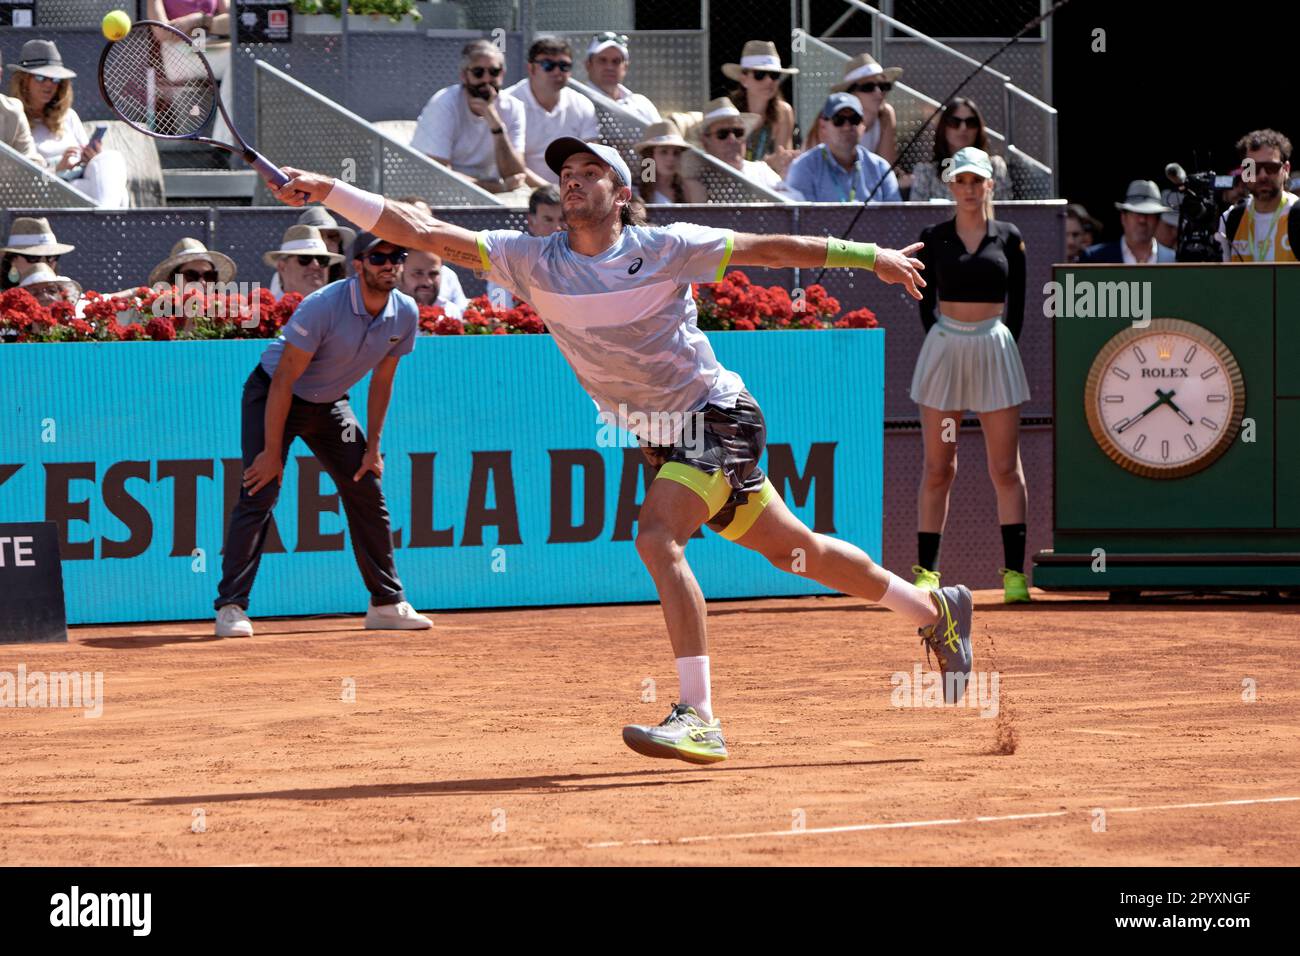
1015, 589
925, 579
682, 736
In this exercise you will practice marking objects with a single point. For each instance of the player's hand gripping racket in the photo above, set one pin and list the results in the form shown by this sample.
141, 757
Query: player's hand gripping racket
160, 83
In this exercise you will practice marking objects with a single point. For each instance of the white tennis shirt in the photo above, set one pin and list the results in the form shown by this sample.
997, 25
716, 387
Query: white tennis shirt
625, 319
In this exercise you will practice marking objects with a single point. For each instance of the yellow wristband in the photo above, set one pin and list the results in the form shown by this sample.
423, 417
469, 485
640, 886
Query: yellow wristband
841, 253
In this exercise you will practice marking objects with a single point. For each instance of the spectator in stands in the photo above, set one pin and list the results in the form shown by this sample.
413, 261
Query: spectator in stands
552, 110
16, 132
44, 85
1139, 213
192, 266
661, 179
302, 261
760, 75
545, 216
49, 288
1081, 231
840, 168
723, 132
337, 239
472, 127
961, 124
212, 17
607, 68
870, 83
422, 277
31, 243
1264, 227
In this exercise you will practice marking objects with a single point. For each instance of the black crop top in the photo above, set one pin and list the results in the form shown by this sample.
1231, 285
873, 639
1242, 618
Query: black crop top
995, 273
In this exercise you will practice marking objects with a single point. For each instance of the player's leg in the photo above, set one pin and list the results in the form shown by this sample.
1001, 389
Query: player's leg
251, 518
1002, 446
939, 438
336, 439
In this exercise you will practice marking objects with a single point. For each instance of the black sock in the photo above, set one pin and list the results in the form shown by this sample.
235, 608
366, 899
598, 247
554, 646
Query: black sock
927, 550
1013, 547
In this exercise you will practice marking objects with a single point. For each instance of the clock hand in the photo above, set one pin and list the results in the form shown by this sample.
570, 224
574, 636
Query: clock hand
1142, 414
1169, 400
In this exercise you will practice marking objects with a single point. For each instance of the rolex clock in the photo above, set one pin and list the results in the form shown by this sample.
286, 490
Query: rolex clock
1165, 400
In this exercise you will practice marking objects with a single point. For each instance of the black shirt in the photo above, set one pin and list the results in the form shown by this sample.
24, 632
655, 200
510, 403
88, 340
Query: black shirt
994, 273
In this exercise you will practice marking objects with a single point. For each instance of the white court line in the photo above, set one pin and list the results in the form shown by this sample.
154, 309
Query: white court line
1193, 806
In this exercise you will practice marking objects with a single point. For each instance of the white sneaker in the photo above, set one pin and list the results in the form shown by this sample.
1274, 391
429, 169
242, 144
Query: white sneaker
233, 622
396, 617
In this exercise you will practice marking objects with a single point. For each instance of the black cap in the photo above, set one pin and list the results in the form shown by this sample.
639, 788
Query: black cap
366, 241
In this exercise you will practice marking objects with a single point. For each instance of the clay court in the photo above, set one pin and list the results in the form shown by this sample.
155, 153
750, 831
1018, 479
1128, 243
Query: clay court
495, 740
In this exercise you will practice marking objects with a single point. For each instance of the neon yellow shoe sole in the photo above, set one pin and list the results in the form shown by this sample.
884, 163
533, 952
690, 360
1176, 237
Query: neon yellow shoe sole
683, 736
1015, 587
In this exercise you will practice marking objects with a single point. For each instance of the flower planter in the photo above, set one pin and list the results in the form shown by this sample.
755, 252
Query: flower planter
321, 23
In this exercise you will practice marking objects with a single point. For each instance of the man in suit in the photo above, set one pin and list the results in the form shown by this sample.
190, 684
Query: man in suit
15, 131
1139, 215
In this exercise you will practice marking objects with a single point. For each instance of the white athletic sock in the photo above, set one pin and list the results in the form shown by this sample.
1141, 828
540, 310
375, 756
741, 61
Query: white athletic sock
693, 676
910, 601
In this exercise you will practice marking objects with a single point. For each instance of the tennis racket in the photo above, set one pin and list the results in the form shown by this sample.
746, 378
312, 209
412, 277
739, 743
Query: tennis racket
158, 82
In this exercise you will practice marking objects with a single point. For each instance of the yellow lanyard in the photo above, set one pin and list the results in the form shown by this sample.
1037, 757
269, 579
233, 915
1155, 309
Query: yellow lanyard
1260, 249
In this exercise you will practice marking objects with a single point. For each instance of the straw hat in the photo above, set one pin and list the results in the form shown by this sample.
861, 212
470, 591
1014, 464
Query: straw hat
34, 237
319, 217
301, 241
189, 250
42, 58
44, 275
864, 67
723, 108
757, 55
663, 133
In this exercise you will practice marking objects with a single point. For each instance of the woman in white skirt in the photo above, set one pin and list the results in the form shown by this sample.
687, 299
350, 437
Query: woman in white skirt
975, 276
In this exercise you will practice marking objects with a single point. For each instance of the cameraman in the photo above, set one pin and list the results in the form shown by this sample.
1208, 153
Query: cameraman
1261, 228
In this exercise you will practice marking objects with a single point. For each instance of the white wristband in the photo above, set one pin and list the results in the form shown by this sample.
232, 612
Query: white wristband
362, 207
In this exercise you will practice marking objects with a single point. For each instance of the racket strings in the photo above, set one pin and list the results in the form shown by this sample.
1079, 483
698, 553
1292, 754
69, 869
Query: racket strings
161, 87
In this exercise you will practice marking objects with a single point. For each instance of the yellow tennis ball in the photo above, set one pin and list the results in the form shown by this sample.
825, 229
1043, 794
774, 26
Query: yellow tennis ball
116, 25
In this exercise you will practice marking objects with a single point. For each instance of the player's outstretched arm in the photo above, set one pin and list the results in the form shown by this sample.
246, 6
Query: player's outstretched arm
815, 252
397, 222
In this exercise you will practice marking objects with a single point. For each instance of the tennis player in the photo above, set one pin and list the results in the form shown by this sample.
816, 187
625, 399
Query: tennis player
617, 300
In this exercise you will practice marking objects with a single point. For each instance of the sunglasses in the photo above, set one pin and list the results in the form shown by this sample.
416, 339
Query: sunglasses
1270, 167
385, 258
869, 87
52, 260
762, 74
957, 122
194, 275
493, 71
564, 66
322, 261
735, 131
844, 119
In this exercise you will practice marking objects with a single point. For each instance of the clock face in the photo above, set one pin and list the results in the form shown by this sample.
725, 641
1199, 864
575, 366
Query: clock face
1166, 400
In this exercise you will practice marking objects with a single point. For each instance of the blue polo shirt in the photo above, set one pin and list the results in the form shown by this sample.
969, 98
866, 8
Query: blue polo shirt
818, 177
346, 343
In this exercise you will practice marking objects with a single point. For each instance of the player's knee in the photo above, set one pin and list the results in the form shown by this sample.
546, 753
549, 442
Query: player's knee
657, 546
940, 472
1006, 474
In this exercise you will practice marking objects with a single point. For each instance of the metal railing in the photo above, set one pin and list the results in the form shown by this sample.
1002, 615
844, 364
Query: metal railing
24, 184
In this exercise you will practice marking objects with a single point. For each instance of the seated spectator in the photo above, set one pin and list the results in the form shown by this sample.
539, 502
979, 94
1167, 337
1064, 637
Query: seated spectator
212, 17
552, 110
31, 243
302, 261
425, 279
760, 75
192, 266
723, 133
840, 168
662, 182
1139, 213
607, 68
337, 239
1081, 231
15, 132
44, 85
471, 127
870, 83
48, 288
545, 216
960, 125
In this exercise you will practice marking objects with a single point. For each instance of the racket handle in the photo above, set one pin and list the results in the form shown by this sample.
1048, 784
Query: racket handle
267, 170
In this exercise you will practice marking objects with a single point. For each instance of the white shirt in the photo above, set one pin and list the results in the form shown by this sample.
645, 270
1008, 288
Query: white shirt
450, 294
574, 115
871, 138
52, 147
1131, 259
636, 104
757, 171
447, 130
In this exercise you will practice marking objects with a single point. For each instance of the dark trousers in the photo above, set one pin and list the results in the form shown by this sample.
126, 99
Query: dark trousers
323, 426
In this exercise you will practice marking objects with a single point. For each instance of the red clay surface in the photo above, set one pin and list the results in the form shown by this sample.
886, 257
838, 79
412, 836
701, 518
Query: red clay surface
495, 740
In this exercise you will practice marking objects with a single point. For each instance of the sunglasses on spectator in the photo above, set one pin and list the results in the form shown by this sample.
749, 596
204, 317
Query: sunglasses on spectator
957, 122
846, 119
478, 71
52, 260
1270, 167
322, 261
396, 258
870, 87
564, 66
762, 74
735, 131
194, 275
